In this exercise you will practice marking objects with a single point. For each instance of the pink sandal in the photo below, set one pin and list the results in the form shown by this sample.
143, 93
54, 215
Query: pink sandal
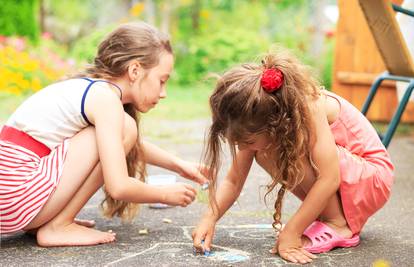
324, 239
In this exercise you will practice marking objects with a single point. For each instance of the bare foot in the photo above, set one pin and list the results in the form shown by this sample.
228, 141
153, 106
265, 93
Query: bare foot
87, 223
341, 229
71, 235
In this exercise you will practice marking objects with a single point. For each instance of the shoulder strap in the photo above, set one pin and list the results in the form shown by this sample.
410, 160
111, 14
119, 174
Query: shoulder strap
91, 82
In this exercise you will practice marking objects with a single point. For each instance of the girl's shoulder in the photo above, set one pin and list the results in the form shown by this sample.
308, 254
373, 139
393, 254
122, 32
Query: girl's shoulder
65, 85
325, 103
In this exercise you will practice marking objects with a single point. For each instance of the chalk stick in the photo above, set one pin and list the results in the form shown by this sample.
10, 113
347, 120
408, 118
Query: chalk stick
204, 186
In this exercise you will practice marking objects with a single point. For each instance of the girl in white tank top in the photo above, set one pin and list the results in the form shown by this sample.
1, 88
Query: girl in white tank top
71, 138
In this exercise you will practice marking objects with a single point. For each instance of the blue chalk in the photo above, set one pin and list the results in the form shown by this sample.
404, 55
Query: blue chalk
206, 252
204, 186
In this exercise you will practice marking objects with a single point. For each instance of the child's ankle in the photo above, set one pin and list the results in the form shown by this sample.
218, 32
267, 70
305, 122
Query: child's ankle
340, 227
57, 223
338, 222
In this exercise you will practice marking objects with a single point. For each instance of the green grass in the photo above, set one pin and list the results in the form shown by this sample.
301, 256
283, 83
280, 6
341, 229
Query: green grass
202, 196
403, 129
8, 103
182, 103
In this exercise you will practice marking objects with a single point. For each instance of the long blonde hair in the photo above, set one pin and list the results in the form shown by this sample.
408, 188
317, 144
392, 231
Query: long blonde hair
132, 41
241, 107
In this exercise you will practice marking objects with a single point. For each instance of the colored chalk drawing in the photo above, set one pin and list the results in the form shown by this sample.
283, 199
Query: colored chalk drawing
182, 250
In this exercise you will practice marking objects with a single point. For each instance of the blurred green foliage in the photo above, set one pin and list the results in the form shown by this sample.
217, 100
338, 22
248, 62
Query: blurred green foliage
241, 31
19, 17
225, 33
224, 37
327, 64
85, 48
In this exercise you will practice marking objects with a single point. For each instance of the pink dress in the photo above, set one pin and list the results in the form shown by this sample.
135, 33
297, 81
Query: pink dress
365, 166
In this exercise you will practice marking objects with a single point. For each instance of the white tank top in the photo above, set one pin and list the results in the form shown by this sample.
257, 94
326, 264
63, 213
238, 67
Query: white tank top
55, 112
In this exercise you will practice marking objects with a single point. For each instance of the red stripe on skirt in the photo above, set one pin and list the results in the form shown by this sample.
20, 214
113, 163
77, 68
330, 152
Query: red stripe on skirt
27, 179
38, 192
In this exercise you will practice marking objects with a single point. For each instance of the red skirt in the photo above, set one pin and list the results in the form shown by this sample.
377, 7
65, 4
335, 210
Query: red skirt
29, 174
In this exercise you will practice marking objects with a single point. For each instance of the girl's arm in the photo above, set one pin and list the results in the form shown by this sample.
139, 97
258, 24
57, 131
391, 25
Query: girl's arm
154, 155
161, 158
324, 155
226, 194
106, 113
229, 190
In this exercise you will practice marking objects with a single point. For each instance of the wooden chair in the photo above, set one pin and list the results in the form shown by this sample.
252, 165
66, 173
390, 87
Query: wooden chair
394, 52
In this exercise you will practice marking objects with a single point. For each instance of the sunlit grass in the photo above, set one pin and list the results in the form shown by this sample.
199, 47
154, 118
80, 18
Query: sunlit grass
402, 128
8, 103
202, 196
182, 103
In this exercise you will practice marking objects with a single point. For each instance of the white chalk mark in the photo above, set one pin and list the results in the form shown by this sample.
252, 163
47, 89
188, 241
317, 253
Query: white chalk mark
252, 234
246, 226
133, 255
230, 255
240, 226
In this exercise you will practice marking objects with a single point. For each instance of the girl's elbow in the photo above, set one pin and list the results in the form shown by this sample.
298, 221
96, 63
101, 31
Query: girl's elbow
116, 192
332, 179
337, 180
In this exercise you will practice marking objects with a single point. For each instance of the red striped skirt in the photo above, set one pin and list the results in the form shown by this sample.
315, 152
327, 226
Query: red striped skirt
29, 174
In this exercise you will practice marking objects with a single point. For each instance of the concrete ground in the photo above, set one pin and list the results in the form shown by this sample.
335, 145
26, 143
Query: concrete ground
243, 236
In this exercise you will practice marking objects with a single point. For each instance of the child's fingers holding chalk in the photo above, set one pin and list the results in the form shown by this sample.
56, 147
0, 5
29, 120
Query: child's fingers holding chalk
205, 172
199, 177
205, 186
197, 241
191, 189
178, 194
191, 195
207, 244
192, 171
203, 235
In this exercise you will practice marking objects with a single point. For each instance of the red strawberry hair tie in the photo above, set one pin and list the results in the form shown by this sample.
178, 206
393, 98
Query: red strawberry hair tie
272, 80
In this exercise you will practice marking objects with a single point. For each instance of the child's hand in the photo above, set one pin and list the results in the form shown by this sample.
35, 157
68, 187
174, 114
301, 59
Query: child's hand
204, 232
193, 171
178, 194
289, 247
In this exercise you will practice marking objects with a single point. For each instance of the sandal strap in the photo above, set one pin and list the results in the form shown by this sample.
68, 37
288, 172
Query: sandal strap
319, 232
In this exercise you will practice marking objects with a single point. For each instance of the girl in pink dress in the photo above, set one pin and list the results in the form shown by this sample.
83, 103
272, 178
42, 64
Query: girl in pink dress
310, 141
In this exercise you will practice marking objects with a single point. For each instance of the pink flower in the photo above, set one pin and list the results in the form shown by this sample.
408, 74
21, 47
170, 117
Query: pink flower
329, 33
18, 43
46, 35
